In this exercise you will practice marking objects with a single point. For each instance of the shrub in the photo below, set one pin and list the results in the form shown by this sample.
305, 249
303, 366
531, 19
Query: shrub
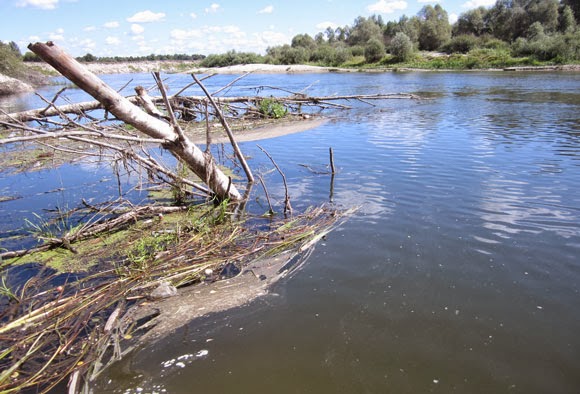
271, 108
493, 43
462, 43
10, 61
401, 47
341, 56
357, 50
374, 50
231, 58
558, 47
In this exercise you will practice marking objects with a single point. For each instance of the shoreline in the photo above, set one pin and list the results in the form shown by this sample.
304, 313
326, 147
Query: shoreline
184, 67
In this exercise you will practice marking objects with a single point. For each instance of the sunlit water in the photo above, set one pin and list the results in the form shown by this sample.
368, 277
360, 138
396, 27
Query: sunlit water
459, 273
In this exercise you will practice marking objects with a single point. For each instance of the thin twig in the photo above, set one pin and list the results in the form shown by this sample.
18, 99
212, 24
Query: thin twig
287, 206
271, 210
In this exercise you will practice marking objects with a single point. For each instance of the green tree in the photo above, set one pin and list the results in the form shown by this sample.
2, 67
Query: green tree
330, 35
471, 22
89, 57
435, 28
507, 20
319, 39
363, 30
10, 60
536, 32
567, 23
575, 7
342, 33
31, 57
14, 48
303, 41
374, 50
401, 47
543, 11
289, 55
405, 25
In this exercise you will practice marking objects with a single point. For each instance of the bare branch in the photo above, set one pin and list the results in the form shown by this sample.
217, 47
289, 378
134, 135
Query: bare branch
224, 123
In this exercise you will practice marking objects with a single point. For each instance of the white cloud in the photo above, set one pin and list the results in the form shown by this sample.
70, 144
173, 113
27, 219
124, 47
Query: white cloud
212, 8
57, 35
146, 17
453, 18
270, 38
183, 35
193, 15
428, 1
111, 24
267, 10
89, 28
85, 45
33, 38
112, 40
137, 29
478, 3
42, 4
222, 38
324, 25
387, 7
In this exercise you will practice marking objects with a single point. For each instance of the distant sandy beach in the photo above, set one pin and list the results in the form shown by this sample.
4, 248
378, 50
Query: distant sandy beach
170, 66
267, 69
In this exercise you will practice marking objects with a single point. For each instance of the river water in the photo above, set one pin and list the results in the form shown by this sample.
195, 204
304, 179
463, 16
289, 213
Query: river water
459, 273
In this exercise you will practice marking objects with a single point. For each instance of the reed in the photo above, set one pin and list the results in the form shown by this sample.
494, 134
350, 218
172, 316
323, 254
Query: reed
77, 329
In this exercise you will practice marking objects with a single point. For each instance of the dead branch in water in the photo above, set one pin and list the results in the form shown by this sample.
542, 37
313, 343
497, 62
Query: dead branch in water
287, 206
130, 114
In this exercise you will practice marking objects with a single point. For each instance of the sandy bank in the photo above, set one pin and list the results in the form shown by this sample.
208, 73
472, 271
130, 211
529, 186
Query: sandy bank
9, 85
278, 129
170, 66
267, 69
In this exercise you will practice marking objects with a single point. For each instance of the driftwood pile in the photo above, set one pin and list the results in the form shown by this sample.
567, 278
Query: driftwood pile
64, 331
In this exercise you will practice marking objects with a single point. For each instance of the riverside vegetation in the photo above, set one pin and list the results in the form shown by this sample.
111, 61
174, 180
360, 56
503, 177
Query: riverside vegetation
509, 33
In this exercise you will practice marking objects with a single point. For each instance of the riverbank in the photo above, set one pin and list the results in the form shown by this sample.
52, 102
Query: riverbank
191, 67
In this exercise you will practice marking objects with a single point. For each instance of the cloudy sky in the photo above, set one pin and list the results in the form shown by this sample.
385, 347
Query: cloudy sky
141, 27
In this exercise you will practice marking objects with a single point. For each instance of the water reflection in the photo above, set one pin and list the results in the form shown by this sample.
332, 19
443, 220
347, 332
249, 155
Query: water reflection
511, 206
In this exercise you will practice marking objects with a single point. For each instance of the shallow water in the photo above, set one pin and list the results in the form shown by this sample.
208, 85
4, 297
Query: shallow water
459, 273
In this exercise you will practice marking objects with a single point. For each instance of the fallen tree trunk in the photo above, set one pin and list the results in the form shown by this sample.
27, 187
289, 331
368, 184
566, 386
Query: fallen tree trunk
126, 111
80, 108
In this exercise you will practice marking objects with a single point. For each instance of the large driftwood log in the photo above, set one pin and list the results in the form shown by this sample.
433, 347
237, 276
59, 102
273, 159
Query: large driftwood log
79, 108
124, 110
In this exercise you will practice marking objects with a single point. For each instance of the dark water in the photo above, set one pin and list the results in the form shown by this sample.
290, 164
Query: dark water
460, 272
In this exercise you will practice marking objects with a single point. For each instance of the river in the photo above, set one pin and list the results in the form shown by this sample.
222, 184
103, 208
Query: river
459, 273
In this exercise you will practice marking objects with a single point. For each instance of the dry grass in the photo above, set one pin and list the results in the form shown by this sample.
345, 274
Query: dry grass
68, 330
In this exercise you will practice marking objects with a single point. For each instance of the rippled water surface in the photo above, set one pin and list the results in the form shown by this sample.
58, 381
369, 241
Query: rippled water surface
460, 272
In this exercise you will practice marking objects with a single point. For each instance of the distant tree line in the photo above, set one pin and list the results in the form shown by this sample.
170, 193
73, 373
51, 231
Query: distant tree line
543, 30
532, 30
89, 58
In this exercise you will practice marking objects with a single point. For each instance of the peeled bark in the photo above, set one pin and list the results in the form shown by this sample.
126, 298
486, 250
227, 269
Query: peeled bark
123, 109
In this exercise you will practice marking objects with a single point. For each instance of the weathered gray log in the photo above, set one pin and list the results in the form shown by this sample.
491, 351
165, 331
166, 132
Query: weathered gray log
126, 111
79, 108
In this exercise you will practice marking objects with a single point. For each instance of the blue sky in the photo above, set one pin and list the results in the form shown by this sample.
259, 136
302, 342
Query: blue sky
141, 27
